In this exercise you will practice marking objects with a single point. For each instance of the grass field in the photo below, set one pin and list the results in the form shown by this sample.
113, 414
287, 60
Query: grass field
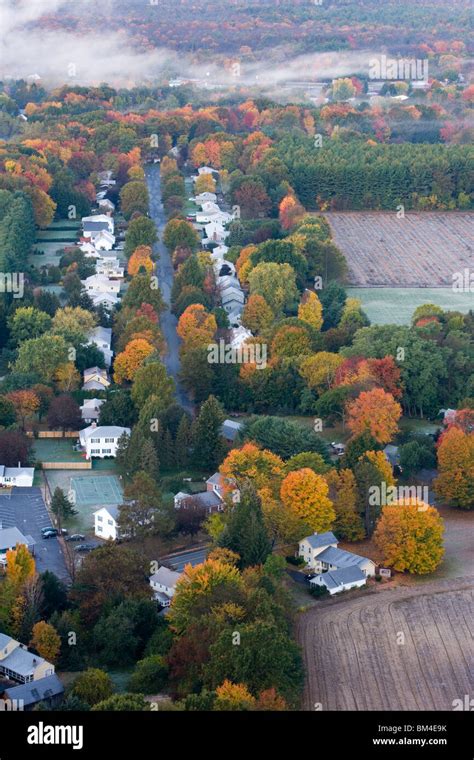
56, 450
395, 306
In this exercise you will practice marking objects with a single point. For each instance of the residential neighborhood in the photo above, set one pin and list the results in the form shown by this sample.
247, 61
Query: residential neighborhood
236, 371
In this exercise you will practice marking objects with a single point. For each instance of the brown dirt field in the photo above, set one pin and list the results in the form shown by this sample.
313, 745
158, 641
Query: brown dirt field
420, 250
353, 660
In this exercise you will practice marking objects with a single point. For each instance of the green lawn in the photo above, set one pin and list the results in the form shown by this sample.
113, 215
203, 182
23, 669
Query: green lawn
396, 305
56, 450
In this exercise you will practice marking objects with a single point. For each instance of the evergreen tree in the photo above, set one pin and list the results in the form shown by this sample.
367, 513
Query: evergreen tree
148, 459
61, 506
208, 443
182, 442
245, 531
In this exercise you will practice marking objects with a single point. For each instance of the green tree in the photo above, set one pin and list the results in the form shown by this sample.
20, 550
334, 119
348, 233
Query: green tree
92, 686
245, 532
208, 443
152, 380
149, 676
140, 231
134, 198
28, 322
42, 356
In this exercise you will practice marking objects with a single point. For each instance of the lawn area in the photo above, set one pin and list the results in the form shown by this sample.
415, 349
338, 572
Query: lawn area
395, 306
50, 254
56, 235
56, 450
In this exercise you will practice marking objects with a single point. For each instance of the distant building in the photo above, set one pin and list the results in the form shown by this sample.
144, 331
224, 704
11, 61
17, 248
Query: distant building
163, 583
101, 441
100, 283
230, 430
21, 477
105, 523
17, 663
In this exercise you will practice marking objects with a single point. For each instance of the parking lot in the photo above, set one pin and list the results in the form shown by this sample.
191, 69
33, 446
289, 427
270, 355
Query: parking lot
25, 509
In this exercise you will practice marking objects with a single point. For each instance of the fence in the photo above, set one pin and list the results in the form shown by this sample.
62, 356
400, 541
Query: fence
52, 434
66, 465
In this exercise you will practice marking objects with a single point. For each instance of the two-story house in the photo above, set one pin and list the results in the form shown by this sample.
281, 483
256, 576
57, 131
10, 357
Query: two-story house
163, 583
17, 663
95, 379
321, 554
101, 441
102, 338
106, 523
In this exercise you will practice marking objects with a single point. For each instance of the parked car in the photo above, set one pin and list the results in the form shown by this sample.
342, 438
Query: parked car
75, 537
50, 533
83, 548
64, 531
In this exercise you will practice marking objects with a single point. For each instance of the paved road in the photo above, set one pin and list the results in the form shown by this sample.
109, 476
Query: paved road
25, 509
164, 272
193, 557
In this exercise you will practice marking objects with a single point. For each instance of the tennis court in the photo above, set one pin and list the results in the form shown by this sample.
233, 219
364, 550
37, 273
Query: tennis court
91, 491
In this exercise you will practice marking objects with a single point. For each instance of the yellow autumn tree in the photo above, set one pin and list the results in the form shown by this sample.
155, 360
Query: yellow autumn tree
409, 536
46, 641
131, 359
310, 309
306, 493
262, 467
139, 260
455, 482
233, 696
318, 371
343, 492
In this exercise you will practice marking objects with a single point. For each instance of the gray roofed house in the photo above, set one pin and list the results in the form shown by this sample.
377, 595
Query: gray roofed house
95, 226
163, 583
340, 558
321, 539
49, 690
340, 580
10, 537
208, 500
19, 664
230, 430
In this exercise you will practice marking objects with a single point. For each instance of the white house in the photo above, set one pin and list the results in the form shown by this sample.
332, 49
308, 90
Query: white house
101, 219
100, 283
109, 300
110, 267
102, 338
238, 336
321, 554
215, 232
340, 580
204, 198
106, 205
21, 477
90, 250
163, 583
90, 410
103, 240
95, 379
105, 523
101, 441
10, 538
105, 178
230, 430
207, 170
17, 663
232, 299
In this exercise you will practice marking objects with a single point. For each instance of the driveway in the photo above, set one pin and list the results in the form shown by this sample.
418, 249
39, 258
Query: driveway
165, 273
25, 509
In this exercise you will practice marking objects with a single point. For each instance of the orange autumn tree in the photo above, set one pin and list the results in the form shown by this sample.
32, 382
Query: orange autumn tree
131, 359
140, 259
196, 327
26, 404
410, 536
306, 493
311, 310
290, 212
455, 482
375, 412
262, 467
233, 696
